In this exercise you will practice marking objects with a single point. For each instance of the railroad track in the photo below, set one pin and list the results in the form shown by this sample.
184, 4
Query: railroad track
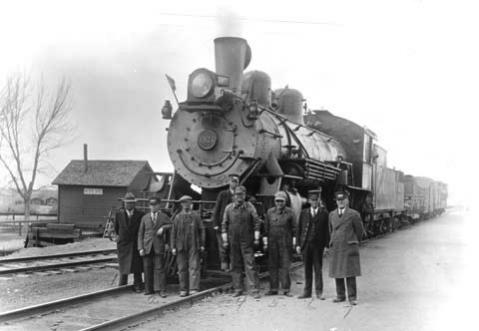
67, 261
113, 309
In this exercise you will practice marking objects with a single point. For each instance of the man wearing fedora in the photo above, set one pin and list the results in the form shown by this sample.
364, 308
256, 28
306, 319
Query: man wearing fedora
279, 240
187, 241
126, 224
222, 200
313, 237
151, 245
240, 230
346, 232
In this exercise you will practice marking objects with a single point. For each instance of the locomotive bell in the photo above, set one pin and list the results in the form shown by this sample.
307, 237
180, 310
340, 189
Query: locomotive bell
232, 56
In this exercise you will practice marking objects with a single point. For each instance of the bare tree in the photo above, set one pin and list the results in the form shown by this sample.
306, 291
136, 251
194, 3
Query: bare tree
33, 122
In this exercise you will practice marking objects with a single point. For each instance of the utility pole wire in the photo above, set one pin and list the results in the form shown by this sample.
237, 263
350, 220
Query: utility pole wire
241, 18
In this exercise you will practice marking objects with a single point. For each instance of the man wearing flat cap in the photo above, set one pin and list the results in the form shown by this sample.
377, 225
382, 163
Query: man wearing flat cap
346, 231
187, 241
240, 230
151, 245
313, 237
222, 200
279, 240
126, 224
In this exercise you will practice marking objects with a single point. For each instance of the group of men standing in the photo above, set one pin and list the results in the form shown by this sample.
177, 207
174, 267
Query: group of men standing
238, 234
315, 231
142, 243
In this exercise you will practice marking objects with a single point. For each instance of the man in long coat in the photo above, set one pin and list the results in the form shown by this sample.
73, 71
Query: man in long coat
313, 237
223, 199
240, 230
127, 221
151, 245
187, 241
346, 231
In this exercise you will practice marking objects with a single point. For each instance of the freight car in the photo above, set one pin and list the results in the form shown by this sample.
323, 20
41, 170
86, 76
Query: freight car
233, 123
424, 198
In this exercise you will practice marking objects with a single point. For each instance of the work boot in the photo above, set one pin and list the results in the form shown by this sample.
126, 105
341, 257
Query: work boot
304, 296
271, 292
320, 296
237, 294
339, 299
353, 302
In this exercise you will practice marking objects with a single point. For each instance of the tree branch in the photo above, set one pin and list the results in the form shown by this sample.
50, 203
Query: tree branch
49, 121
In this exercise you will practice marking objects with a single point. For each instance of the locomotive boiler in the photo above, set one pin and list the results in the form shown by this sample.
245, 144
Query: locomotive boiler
233, 123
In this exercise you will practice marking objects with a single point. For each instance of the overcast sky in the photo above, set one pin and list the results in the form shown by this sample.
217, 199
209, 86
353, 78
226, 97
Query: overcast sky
406, 69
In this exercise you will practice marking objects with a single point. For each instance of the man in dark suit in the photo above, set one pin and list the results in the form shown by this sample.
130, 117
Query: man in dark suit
346, 232
127, 221
151, 245
187, 241
313, 237
222, 200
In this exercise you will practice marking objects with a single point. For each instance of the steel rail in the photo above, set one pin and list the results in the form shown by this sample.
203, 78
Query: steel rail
129, 320
57, 256
61, 303
56, 265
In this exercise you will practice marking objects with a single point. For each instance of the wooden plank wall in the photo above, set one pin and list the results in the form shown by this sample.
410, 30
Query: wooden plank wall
76, 207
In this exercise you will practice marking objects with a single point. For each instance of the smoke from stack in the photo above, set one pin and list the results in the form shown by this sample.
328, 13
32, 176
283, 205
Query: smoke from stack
229, 23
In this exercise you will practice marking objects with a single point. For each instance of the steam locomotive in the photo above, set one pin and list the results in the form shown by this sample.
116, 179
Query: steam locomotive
234, 123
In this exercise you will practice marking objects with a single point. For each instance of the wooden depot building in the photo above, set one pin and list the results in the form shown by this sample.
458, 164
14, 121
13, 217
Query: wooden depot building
89, 189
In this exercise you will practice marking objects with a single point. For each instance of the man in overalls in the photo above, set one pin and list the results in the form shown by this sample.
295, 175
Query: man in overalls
279, 240
240, 230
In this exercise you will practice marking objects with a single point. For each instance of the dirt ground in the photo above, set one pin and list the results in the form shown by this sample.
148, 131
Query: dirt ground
26, 290
18, 291
421, 278
415, 279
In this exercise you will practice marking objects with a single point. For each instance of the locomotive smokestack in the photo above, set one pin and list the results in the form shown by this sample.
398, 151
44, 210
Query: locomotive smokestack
232, 56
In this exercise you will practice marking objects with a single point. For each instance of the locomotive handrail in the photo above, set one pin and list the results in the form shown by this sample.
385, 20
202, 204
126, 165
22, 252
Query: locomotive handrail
298, 126
208, 175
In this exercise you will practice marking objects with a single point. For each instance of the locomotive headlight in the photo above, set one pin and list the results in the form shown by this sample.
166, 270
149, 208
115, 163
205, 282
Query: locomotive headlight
201, 84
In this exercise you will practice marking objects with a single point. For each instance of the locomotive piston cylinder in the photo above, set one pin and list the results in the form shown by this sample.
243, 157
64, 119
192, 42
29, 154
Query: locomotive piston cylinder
232, 56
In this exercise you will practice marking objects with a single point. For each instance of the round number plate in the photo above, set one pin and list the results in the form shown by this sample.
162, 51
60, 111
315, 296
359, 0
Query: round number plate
207, 140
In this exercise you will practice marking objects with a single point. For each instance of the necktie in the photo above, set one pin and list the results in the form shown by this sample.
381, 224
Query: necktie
153, 218
128, 217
